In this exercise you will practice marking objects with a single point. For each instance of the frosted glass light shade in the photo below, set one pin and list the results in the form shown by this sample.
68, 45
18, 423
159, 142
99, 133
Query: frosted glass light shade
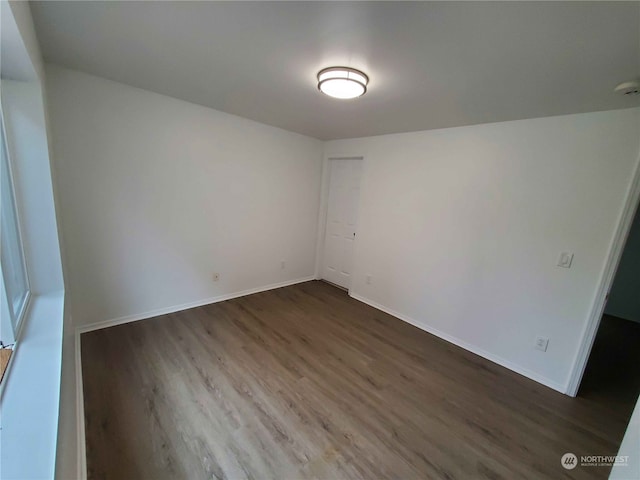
342, 82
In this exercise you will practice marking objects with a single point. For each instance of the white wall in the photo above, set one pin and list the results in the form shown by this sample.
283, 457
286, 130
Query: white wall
157, 194
461, 230
624, 300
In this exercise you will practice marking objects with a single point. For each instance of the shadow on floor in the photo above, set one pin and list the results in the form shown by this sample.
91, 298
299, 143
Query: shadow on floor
612, 375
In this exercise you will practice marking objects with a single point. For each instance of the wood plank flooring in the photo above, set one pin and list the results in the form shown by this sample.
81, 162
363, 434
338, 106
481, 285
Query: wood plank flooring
305, 382
5, 356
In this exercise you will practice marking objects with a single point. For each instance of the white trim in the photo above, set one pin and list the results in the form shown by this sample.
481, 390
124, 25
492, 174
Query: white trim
18, 208
185, 306
16, 319
36, 367
467, 346
81, 468
23, 316
606, 280
322, 216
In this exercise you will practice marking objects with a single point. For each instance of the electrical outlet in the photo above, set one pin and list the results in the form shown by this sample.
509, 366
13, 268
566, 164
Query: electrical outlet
368, 279
216, 277
283, 264
541, 344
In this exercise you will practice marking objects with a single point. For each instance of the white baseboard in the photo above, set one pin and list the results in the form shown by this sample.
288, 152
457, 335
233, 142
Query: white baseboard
467, 346
185, 306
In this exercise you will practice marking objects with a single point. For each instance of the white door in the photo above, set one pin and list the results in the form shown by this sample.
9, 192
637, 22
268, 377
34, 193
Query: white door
342, 216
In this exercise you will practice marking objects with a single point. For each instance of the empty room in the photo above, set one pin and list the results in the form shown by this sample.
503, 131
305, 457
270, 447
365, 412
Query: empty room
320, 240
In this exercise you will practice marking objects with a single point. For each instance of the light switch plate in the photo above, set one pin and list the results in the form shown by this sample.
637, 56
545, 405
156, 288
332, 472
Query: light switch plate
541, 344
565, 259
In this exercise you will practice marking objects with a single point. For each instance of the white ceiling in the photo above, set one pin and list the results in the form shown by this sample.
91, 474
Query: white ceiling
15, 63
431, 65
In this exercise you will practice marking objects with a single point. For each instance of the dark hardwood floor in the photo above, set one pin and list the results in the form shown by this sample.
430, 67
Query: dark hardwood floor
305, 382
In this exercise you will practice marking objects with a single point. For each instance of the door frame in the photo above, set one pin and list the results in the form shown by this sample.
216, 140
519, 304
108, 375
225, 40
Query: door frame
324, 207
631, 204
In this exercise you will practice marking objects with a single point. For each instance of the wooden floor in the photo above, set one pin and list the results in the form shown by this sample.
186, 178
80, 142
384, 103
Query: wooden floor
305, 382
5, 356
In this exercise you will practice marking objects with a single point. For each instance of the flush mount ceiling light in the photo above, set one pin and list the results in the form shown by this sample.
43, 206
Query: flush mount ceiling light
342, 82
630, 88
